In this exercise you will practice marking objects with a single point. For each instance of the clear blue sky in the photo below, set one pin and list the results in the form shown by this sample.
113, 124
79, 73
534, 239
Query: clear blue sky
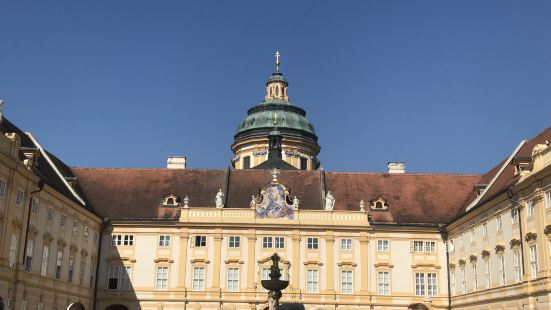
446, 86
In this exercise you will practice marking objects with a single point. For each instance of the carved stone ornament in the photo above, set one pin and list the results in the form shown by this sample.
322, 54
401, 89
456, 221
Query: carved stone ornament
451, 266
462, 262
186, 202
61, 244
500, 248
547, 230
47, 238
514, 243
292, 153
485, 254
275, 202
531, 236
258, 153
473, 258
295, 203
362, 205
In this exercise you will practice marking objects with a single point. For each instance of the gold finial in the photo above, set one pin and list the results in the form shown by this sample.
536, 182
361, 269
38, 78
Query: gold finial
277, 60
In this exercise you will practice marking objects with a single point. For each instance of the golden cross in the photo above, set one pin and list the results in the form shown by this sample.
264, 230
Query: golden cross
275, 118
277, 60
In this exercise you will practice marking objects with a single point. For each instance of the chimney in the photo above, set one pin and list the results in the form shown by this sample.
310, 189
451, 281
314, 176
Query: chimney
176, 162
396, 167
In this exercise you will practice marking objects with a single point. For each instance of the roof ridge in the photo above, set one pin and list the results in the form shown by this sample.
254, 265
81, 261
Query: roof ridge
147, 169
405, 174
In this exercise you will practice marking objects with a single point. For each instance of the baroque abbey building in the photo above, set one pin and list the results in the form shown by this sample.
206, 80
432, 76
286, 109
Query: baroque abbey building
178, 238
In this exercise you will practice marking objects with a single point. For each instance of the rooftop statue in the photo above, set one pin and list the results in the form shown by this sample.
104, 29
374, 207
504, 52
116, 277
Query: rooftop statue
329, 201
219, 200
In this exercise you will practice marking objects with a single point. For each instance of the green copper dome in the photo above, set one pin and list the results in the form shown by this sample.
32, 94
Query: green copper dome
287, 117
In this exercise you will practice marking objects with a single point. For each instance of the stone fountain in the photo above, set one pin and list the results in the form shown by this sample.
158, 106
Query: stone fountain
274, 285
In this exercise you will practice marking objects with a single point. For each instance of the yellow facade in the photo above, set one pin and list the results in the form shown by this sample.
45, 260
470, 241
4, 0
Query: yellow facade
359, 254
32, 234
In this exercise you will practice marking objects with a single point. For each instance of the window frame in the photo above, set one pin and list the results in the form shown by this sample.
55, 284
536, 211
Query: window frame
164, 241
200, 241
346, 244
312, 280
383, 287
347, 281
198, 284
234, 242
383, 245
233, 283
312, 243
162, 274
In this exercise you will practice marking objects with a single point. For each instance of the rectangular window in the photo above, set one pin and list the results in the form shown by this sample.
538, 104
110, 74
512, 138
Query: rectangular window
116, 240
472, 235
63, 221
530, 207
118, 277
162, 279
514, 216
165, 240
418, 246
198, 278
419, 284
279, 242
485, 230
113, 277
246, 162
267, 242
81, 272
45, 257
452, 280
382, 245
432, 284
29, 255
75, 227
265, 276
125, 276
346, 281
85, 234
92, 274
487, 278
234, 242
312, 280
58, 264
2, 188
463, 281
35, 205
233, 279
128, 240
200, 241
501, 262
499, 223
312, 243
303, 163
346, 244
20, 198
475, 276
14, 250
548, 199
50, 214
71, 269
383, 282
430, 246
533, 261
518, 266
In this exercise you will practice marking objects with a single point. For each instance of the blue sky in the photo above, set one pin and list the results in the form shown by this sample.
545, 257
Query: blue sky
446, 86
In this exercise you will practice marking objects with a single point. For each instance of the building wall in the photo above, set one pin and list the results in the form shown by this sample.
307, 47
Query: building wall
364, 259
36, 287
529, 289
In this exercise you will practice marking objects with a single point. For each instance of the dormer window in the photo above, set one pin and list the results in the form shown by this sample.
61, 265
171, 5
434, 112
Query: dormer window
379, 204
171, 201
522, 164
